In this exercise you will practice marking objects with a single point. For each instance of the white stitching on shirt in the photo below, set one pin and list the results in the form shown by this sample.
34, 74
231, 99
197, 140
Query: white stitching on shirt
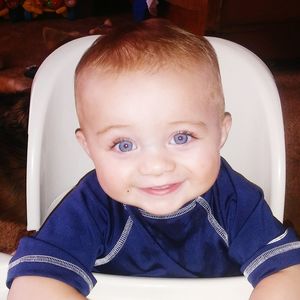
269, 254
178, 213
279, 238
53, 261
212, 220
118, 246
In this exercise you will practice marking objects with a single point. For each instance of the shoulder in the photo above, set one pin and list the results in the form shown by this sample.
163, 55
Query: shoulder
233, 189
230, 181
233, 197
87, 192
87, 201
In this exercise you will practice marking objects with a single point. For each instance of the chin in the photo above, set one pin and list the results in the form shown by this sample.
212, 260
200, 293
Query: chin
163, 210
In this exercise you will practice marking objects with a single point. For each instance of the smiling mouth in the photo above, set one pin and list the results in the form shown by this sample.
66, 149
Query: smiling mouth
162, 190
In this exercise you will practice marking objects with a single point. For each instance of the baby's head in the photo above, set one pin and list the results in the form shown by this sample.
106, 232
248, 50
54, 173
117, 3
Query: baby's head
151, 111
150, 46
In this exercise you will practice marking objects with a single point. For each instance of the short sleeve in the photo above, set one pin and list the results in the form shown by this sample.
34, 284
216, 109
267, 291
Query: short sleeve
257, 240
66, 246
38, 258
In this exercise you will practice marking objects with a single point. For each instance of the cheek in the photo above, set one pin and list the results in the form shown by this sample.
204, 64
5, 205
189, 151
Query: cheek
204, 162
110, 183
203, 152
113, 176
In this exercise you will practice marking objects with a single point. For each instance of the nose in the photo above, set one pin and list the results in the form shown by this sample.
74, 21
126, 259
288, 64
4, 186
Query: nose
156, 163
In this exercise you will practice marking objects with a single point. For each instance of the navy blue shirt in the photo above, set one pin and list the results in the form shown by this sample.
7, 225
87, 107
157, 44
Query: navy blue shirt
228, 231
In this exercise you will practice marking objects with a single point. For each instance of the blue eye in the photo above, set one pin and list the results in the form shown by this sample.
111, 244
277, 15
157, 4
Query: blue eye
181, 138
125, 146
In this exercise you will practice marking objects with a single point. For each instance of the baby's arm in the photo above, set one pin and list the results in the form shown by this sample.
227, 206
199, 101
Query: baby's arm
36, 288
282, 285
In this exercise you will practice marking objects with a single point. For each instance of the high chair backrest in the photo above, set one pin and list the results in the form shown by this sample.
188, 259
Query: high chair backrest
56, 162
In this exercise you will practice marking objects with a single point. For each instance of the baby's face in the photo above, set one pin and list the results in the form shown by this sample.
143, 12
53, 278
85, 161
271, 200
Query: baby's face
153, 137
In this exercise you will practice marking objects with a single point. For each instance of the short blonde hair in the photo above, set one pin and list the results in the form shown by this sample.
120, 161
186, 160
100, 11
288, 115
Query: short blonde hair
150, 45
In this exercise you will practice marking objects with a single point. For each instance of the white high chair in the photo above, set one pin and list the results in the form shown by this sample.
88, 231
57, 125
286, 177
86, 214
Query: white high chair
56, 162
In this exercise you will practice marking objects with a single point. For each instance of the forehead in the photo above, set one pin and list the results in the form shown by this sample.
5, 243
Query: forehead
96, 76
111, 89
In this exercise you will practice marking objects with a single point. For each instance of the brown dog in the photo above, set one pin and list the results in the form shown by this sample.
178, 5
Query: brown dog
13, 145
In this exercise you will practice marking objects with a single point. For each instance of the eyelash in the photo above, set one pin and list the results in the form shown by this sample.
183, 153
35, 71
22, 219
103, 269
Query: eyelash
184, 132
187, 132
120, 140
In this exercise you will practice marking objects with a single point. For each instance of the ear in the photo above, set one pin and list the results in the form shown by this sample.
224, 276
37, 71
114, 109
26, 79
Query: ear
226, 125
82, 140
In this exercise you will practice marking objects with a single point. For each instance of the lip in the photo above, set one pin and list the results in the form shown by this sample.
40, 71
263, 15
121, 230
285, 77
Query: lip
162, 190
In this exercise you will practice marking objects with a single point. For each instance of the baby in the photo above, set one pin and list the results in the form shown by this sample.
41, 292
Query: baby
161, 201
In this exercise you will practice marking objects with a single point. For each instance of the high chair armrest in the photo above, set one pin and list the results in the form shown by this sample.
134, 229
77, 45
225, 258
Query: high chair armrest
4, 261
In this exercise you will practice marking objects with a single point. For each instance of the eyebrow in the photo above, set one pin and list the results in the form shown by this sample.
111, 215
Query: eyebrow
111, 127
122, 126
198, 124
